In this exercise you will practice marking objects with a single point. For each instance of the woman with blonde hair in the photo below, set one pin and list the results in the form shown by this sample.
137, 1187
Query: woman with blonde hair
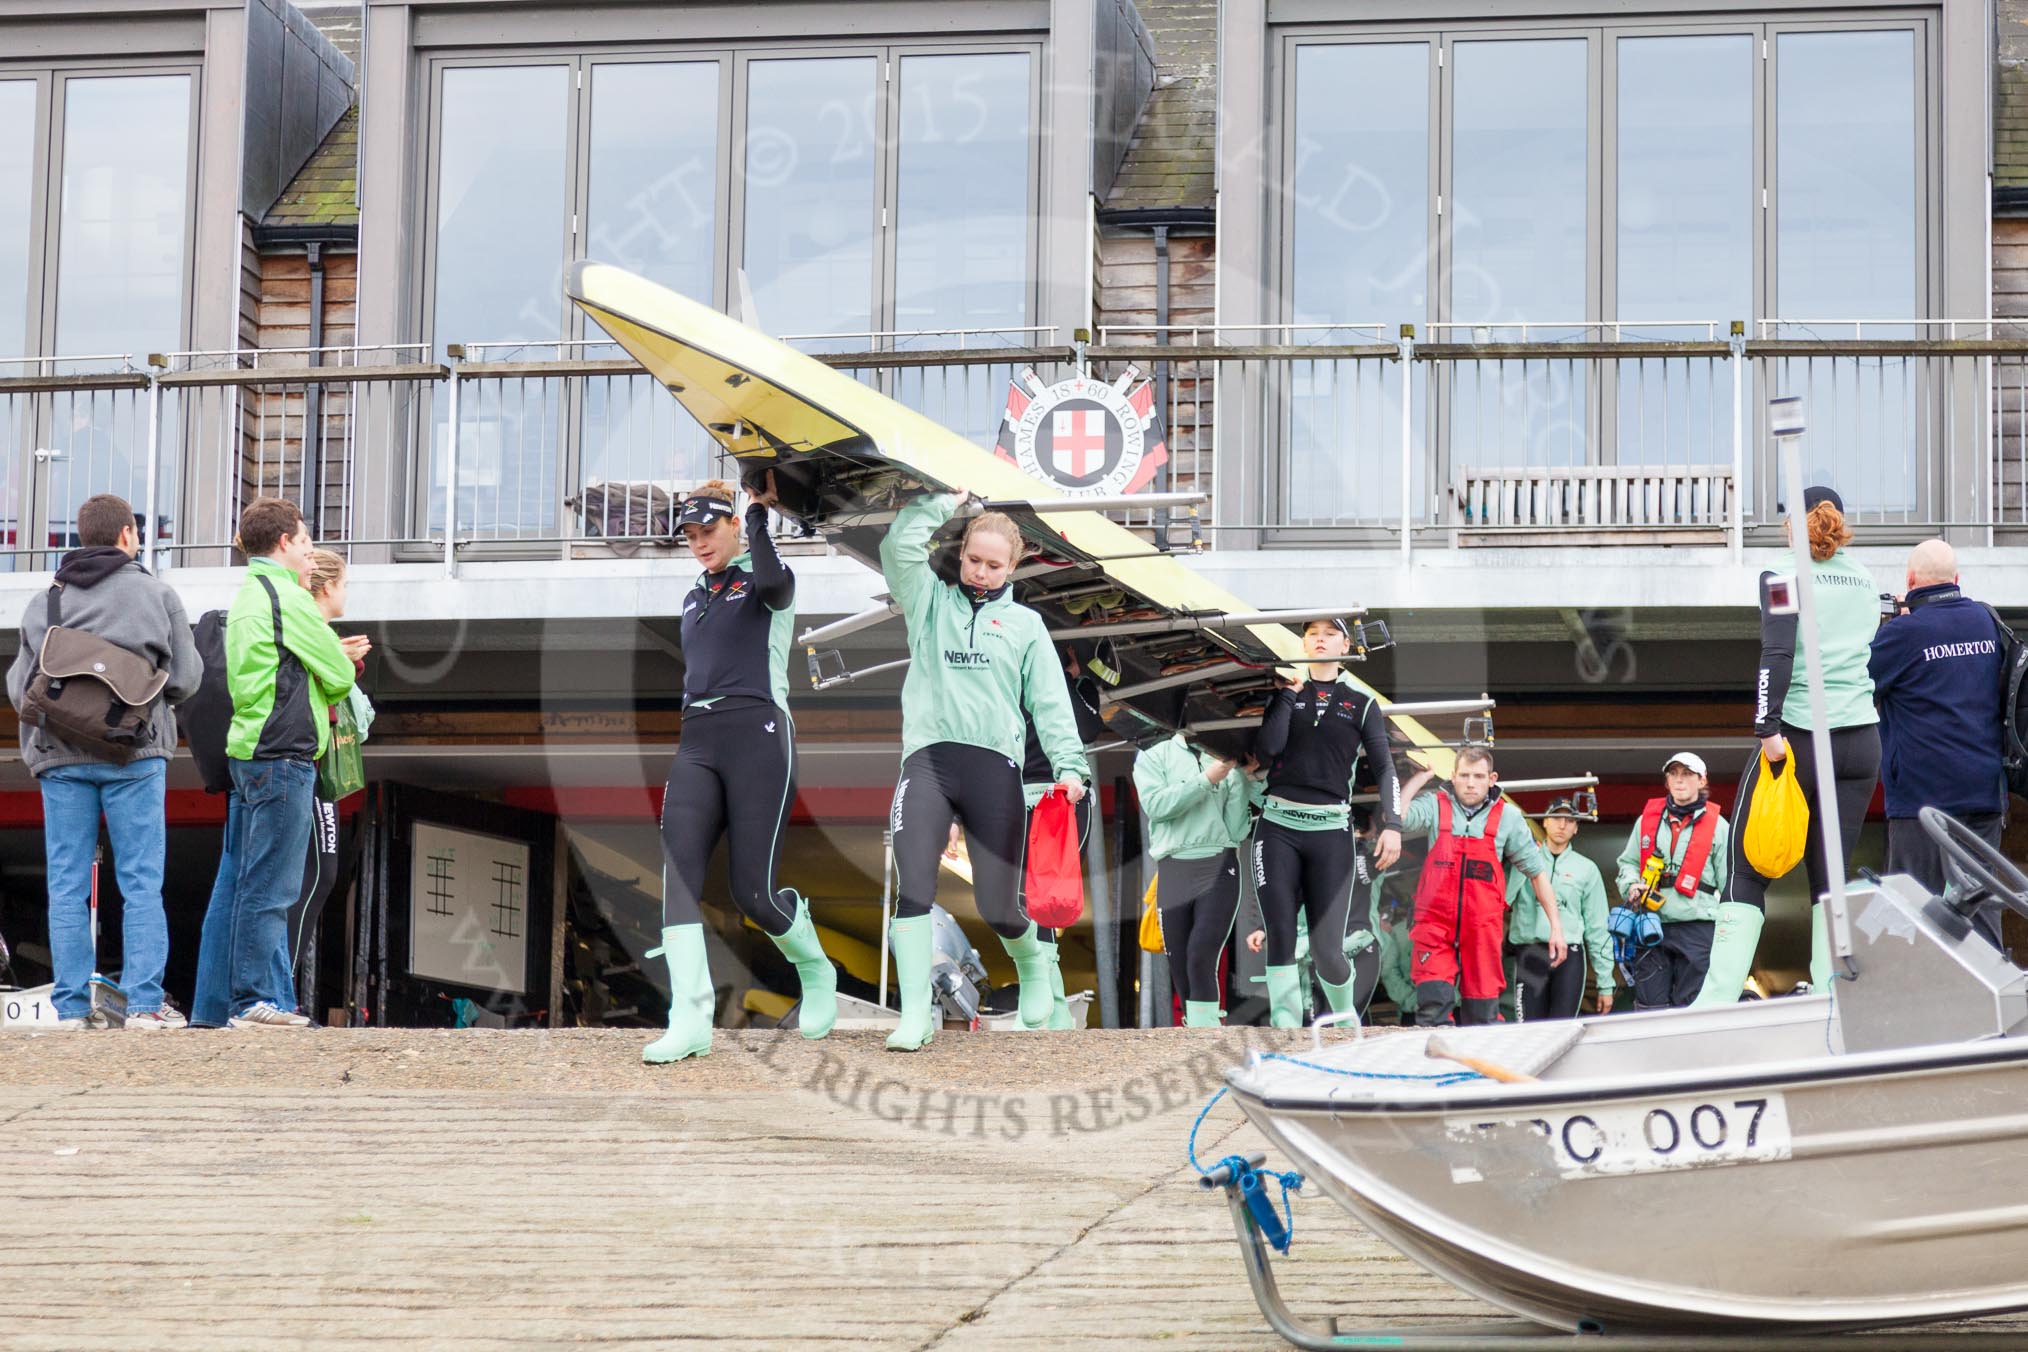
735, 769
1847, 606
978, 660
325, 578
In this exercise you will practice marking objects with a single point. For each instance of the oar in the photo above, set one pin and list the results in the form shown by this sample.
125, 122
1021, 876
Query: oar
1437, 1049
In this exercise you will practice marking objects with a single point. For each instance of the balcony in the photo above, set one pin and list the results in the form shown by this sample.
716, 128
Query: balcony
502, 456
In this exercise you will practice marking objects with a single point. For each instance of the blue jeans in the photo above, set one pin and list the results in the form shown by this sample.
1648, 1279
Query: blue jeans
211, 1005
276, 799
131, 798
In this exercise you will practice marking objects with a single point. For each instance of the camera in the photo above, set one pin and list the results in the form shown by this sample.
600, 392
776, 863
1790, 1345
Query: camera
1890, 605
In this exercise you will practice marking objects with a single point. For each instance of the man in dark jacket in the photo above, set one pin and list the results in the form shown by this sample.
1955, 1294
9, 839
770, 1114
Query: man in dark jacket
1936, 677
108, 594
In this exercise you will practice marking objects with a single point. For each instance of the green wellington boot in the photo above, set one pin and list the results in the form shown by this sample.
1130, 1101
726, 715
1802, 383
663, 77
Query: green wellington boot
819, 978
1285, 997
1820, 950
1202, 1014
691, 998
1733, 941
914, 951
1031, 964
1059, 1005
1339, 996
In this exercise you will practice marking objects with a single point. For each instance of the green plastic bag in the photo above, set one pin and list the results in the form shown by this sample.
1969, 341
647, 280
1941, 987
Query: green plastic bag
341, 772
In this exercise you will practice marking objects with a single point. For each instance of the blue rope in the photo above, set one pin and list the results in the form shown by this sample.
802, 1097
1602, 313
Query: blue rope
1209, 1104
1440, 1078
1291, 1181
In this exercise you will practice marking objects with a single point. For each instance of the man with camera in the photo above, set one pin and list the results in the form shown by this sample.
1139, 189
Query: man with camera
1937, 669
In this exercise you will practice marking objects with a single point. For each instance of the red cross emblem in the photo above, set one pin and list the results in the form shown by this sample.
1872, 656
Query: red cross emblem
1075, 434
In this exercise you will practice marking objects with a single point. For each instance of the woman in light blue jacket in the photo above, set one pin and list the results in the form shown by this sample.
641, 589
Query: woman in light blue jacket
1200, 808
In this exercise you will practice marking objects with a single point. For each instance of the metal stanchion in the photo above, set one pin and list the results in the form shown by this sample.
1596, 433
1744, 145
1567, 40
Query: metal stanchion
886, 904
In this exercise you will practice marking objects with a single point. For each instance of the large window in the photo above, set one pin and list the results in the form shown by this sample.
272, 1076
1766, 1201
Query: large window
95, 196
865, 197
1362, 254
1520, 142
1684, 208
1634, 181
962, 243
18, 99
812, 195
121, 225
500, 236
652, 206
1847, 221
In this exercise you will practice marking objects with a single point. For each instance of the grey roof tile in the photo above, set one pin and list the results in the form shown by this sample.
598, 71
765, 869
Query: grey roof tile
1171, 160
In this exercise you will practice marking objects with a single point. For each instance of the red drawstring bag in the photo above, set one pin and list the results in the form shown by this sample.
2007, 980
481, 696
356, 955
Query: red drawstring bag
1055, 871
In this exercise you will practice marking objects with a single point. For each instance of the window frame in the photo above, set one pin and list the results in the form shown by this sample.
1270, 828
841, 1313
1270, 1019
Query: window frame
35, 280
722, 163
1031, 298
45, 214
729, 191
1765, 24
32, 487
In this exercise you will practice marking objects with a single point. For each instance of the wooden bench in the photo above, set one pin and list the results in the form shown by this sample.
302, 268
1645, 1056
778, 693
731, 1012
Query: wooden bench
1591, 505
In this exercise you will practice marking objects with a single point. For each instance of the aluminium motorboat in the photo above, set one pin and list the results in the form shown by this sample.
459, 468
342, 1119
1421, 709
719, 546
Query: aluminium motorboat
1845, 1160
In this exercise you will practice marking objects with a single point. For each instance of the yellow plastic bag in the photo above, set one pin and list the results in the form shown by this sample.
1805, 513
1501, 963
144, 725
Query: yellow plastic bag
1151, 923
1777, 824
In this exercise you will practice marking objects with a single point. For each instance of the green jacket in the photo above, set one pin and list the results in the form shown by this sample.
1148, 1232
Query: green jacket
1710, 887
1189, 817
972, 669
1580, 898
281, 701
1847, 602
1396, 971
1518, 849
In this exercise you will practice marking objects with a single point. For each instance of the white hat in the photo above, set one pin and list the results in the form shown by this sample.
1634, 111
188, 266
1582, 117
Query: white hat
1689, 760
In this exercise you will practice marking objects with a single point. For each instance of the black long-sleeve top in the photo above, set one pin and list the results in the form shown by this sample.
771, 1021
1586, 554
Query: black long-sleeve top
1084, 707
1777, 665
736, 625
1311, 739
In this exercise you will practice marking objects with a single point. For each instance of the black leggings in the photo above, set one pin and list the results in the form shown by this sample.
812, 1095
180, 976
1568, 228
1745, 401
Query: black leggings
320, 876
1545, 992
1082, 814
1313, 869
1199, 899
1855, 765
980, 789
734, 776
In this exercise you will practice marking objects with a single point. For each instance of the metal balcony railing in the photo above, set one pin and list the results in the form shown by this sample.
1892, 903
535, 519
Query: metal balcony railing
1360, 435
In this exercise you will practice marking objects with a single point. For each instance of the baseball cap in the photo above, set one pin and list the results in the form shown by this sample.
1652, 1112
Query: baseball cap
1336, 622
1689, 760
702, 511
1562, 807
1820, 493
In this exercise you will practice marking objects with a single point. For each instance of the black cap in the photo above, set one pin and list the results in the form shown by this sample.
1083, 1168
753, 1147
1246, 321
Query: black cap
1562, 807
1813, 496
699, 510
1336, 622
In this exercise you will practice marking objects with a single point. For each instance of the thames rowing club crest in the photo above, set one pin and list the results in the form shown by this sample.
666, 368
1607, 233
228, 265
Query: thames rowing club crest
1088, 437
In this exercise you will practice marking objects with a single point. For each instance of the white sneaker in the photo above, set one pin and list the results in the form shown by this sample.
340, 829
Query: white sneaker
76, 1025
264, 1015
164, 1017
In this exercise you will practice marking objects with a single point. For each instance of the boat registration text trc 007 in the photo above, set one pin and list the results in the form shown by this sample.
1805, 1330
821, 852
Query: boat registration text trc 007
1647, 1136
